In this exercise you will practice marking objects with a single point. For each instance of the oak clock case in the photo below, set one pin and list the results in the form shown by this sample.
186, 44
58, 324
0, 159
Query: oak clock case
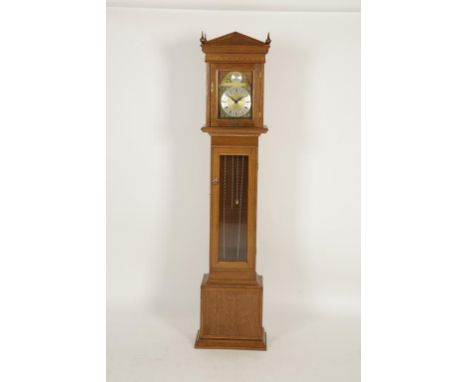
231, 312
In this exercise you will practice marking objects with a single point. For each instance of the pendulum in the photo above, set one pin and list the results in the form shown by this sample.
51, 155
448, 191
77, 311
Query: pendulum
236, 202
239, 200
223, 255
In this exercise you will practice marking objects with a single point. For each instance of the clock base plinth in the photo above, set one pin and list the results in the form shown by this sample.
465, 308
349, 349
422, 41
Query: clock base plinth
231, 343
231, 315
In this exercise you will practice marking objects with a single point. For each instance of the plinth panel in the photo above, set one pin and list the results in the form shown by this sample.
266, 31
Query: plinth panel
231, 316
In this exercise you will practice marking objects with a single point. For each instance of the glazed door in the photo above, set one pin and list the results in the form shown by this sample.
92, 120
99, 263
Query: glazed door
251, 79
233, 204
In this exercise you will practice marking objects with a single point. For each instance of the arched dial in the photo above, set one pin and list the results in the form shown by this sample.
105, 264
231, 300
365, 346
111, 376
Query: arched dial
236, 101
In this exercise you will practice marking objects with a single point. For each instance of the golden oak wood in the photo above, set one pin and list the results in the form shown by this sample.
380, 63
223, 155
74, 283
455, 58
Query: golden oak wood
234, 131
232, 293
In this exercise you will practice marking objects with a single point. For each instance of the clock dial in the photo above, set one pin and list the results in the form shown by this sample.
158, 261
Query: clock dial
236, 102
235, 99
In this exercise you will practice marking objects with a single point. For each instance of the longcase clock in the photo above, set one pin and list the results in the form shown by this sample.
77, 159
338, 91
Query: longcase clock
232, 291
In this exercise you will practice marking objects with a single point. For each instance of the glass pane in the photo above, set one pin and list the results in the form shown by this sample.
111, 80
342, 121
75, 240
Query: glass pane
235, 94
234, 174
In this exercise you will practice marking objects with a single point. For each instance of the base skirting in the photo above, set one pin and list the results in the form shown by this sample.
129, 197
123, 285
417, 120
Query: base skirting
230, 343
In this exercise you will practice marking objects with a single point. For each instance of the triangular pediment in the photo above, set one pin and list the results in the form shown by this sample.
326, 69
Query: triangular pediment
235, 47
235, 38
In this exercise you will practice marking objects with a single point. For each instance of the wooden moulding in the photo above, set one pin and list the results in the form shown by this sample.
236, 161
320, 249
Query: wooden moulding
233, 277
234, 131
230, 343
235, 58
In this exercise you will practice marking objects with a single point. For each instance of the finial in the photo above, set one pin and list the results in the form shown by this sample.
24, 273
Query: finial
203, 37
268, 39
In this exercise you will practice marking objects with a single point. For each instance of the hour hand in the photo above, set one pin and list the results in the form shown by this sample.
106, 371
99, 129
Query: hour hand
231, 98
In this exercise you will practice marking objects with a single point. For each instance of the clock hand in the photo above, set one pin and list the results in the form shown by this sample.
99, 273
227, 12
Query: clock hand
231, 98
